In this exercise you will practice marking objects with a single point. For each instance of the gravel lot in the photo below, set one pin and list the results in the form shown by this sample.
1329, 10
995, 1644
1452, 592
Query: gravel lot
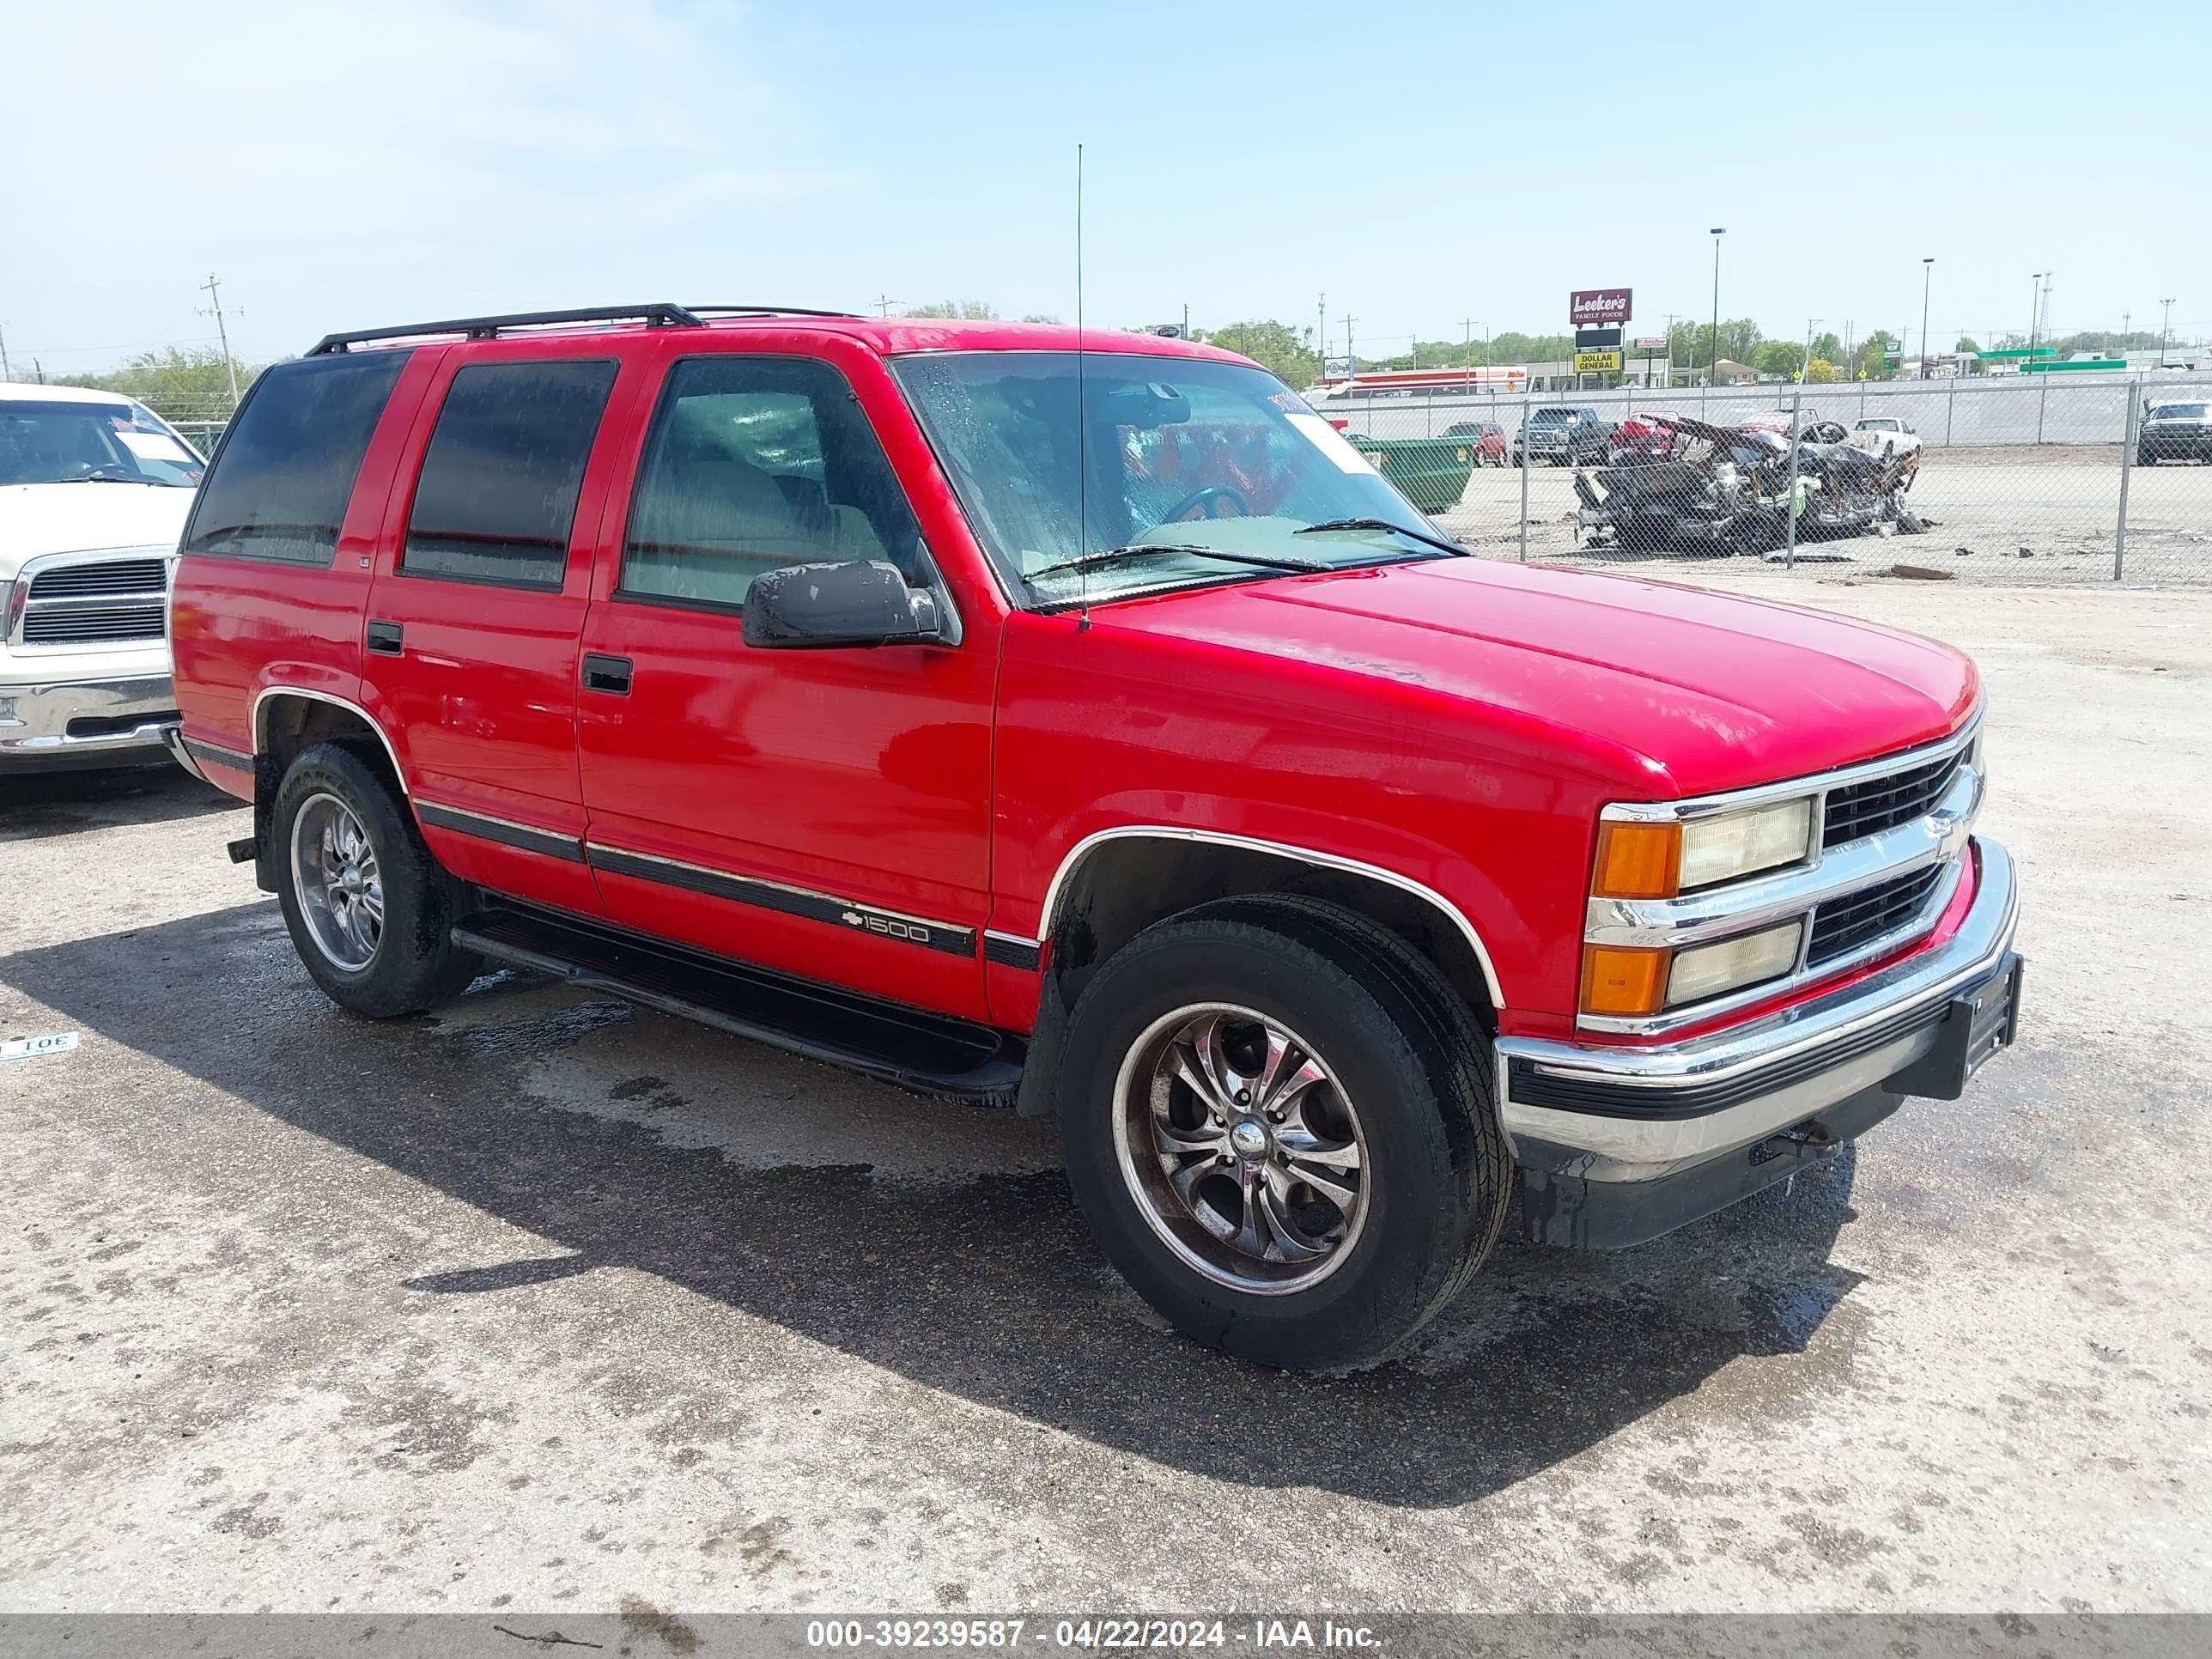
2060, 503
546, 1303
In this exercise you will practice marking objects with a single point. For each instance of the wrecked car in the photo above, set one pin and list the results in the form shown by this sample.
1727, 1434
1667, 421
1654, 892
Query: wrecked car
1695, 486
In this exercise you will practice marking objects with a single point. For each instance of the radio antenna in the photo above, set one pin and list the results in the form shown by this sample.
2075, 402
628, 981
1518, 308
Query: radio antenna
1082, 436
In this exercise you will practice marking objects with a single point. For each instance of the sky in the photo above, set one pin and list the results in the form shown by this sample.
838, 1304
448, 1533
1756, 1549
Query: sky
1441, 168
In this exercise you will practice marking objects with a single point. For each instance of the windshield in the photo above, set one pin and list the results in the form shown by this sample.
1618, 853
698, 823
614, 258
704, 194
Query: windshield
1551, 416
46, 441
1173, 452
2179, 412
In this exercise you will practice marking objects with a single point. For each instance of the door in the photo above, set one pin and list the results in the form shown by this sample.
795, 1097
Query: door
469, 658
821, 812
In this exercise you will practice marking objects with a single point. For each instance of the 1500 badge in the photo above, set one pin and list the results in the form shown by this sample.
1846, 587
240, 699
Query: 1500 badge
913, 932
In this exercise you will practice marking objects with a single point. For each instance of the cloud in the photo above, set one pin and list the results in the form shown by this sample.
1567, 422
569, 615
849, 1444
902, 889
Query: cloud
328, 157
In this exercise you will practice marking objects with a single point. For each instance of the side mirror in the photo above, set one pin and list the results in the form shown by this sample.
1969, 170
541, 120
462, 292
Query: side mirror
817, 606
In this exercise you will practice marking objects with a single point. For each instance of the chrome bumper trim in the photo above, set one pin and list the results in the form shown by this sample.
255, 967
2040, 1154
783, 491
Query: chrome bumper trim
34, 719
1871, 1026
172, 739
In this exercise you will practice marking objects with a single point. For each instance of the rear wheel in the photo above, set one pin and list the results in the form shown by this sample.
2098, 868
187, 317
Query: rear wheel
1278, 1121
370, 911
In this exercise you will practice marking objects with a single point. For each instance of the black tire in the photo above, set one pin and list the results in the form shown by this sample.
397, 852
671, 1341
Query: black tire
414, 964
1438, 1176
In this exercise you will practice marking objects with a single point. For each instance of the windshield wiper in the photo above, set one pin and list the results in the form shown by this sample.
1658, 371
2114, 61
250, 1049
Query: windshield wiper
105, 477
1137, 550
1452, 548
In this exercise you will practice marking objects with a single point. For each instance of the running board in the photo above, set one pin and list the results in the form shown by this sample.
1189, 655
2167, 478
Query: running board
930, 1053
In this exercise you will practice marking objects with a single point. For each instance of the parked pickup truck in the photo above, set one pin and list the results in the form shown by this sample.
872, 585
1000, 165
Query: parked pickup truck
1885, 435
93, 490
1091, 729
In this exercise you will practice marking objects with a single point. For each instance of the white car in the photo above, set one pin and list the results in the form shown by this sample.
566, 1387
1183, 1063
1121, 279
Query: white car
94, 493
1885, 435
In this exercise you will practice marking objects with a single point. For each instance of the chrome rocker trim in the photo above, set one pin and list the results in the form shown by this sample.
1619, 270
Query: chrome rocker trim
1642, 1112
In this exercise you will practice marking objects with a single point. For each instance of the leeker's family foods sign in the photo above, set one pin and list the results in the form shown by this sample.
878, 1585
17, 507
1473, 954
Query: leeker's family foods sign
1587, 308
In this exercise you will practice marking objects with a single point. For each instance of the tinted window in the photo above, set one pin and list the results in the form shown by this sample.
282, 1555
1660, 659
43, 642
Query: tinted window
498, 489
280, 481
754, 462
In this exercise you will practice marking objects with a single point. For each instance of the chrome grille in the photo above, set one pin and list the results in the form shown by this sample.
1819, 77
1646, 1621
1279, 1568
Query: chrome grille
1883, 803
75, 581
96, 624
1842, 925
94, 601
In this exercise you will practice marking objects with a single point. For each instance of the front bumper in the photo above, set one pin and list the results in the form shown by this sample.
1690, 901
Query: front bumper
1619, 1145
114, 722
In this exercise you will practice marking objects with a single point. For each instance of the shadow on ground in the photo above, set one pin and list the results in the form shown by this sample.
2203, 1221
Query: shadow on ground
36, 805
985, 1286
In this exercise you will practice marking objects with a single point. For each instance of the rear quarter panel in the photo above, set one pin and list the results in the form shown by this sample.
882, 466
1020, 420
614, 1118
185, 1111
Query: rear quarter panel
239, 626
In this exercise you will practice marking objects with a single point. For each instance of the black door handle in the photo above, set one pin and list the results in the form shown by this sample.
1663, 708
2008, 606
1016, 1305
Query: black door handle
384, 638
607, 674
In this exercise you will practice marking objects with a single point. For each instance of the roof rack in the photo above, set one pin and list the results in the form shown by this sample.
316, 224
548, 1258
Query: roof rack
765, 310
486, 328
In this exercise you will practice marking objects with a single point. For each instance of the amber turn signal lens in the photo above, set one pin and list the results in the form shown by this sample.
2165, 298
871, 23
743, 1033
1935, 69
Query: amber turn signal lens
1639, 860
1622, 981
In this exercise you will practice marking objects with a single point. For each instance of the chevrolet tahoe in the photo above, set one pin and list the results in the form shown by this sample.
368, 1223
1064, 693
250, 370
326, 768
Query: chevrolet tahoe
1078, 722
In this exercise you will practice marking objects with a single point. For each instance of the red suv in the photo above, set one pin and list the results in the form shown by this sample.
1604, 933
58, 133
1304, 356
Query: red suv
1081, 722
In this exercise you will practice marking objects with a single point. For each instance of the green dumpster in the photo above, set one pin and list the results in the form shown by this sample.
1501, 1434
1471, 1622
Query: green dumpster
1429, 472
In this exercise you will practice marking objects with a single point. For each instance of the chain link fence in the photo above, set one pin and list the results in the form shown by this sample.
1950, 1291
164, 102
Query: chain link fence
2035, 478
2016, 478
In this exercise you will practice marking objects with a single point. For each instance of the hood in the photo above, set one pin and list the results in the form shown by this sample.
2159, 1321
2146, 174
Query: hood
1702, 691
70, 518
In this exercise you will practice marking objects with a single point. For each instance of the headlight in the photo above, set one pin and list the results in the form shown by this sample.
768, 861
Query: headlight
1743, 843
1637, 859
1707, 970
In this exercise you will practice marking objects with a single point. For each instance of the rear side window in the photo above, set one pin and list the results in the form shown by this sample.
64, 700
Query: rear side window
498, 490
280, 481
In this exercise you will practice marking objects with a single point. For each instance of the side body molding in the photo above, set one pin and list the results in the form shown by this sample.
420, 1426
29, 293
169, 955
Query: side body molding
1428, 896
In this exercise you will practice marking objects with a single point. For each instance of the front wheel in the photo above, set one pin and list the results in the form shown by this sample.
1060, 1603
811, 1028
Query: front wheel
370, 909
1278, 1121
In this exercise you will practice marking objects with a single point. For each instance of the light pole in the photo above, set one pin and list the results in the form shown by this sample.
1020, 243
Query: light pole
1713, 368
2034, 308
2165, 308
1926, 276
1805, 373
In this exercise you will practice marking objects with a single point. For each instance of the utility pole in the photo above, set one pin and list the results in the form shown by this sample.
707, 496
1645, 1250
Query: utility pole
1321, 340
1926, 276
1351, 356
1805, 373
6, 373
213, 289
1713, 366
1468, 325
883, 304
2165, 308
2034, 308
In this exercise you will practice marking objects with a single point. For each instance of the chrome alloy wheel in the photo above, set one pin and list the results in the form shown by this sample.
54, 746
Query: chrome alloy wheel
336, 880
1242, 1151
